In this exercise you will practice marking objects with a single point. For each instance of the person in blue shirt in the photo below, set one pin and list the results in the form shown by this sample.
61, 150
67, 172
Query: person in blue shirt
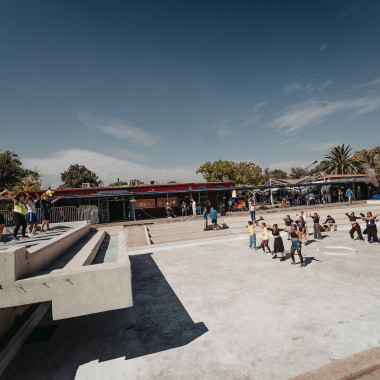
205, 219
214, 218
349, 195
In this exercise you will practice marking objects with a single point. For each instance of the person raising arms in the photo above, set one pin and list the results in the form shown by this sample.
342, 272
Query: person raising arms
296, 244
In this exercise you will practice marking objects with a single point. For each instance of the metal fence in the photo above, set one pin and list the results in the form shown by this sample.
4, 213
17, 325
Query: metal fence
57, 215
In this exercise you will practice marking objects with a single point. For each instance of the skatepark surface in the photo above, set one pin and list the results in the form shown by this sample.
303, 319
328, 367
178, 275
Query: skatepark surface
218, 310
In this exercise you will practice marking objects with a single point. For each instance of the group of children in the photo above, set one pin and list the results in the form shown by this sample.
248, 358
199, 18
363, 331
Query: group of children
24, 213
297, 230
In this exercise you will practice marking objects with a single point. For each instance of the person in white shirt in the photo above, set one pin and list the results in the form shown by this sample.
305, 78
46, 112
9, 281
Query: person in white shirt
194, 207
31, 217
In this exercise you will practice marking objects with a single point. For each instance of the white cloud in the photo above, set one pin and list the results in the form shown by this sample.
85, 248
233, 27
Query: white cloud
314, 111
108, 168
299, 86
221, 128
323, 47
309, 146
324, 84
120, 129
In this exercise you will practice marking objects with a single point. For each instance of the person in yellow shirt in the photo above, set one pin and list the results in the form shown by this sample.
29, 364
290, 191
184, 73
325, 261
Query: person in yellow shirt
19, 215
252, 235
265, 238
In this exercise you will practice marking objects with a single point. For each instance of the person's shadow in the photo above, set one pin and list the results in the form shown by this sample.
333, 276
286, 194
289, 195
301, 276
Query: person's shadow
157, 322
309, 259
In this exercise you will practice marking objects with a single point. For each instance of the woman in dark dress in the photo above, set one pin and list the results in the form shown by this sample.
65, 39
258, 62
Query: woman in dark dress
278, 243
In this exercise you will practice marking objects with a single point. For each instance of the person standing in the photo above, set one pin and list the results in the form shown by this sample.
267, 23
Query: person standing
317, 226
45, 206
31, 217
288, 223
278, 246
252, 235
340, 195
302, 229
194, 207
230, 205
355, 226
349, 194
205, 219
265, 237
184, 208
214, 218
2, 220
371, 227
18, 216
252, 211
296, 244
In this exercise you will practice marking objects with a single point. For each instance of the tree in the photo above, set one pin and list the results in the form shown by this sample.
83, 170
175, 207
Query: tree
119, 183
76, 174
298, 172
278, 173
369, 159
14, 177
242, 173
338, 160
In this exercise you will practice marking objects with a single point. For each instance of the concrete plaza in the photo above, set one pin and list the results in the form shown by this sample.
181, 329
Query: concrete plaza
216, 310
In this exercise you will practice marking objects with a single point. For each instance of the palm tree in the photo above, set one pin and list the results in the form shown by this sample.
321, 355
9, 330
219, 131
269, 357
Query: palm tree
338, 160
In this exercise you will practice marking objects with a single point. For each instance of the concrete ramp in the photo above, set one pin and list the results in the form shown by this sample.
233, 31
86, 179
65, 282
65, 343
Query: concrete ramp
63, 270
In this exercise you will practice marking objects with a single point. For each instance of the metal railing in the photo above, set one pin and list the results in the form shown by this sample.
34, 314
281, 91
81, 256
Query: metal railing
57, 215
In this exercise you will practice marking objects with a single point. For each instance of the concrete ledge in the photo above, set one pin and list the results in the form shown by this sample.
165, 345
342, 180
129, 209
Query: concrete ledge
350, 368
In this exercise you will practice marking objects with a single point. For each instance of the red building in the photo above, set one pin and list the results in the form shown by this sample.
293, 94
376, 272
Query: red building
145, 201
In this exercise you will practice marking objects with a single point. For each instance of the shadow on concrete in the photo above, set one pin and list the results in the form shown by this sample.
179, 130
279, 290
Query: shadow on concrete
157, 322
309, 259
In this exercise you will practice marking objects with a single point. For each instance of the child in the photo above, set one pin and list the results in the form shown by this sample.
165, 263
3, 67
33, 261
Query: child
265, 239
205, 215
252, 235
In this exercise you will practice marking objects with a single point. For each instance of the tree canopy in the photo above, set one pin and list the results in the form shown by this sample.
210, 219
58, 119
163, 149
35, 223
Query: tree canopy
242, 173
77, 174
16, 178
278, 173
298, 172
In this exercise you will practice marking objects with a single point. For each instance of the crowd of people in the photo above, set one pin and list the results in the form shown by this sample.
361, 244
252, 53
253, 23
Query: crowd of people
24, 213
296, 230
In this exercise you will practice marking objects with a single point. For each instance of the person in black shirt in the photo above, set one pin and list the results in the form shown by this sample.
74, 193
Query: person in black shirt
288, 223
302, 228
355, 226
329, 223
296, 243
278, 243
317, 226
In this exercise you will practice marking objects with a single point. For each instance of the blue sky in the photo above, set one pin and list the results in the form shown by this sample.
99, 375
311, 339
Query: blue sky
152, 89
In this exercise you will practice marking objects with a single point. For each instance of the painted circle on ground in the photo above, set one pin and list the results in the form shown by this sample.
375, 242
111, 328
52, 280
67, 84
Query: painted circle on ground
338, 250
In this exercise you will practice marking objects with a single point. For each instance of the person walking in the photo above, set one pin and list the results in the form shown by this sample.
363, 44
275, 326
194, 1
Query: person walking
296, 244
265, 238
252, 235
278, 246
349, 194
370, 221
317, 226
355, 227
214, 219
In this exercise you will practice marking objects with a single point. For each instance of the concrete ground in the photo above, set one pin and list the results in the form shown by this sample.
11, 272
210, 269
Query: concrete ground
217, 310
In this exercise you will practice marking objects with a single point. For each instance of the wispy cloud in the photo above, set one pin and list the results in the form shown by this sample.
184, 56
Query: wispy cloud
107, 167
120, 129
299, 86
312, 146
323, 47
343, 15
222, 128
324, 84
254, 115
314, 111
284, 142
